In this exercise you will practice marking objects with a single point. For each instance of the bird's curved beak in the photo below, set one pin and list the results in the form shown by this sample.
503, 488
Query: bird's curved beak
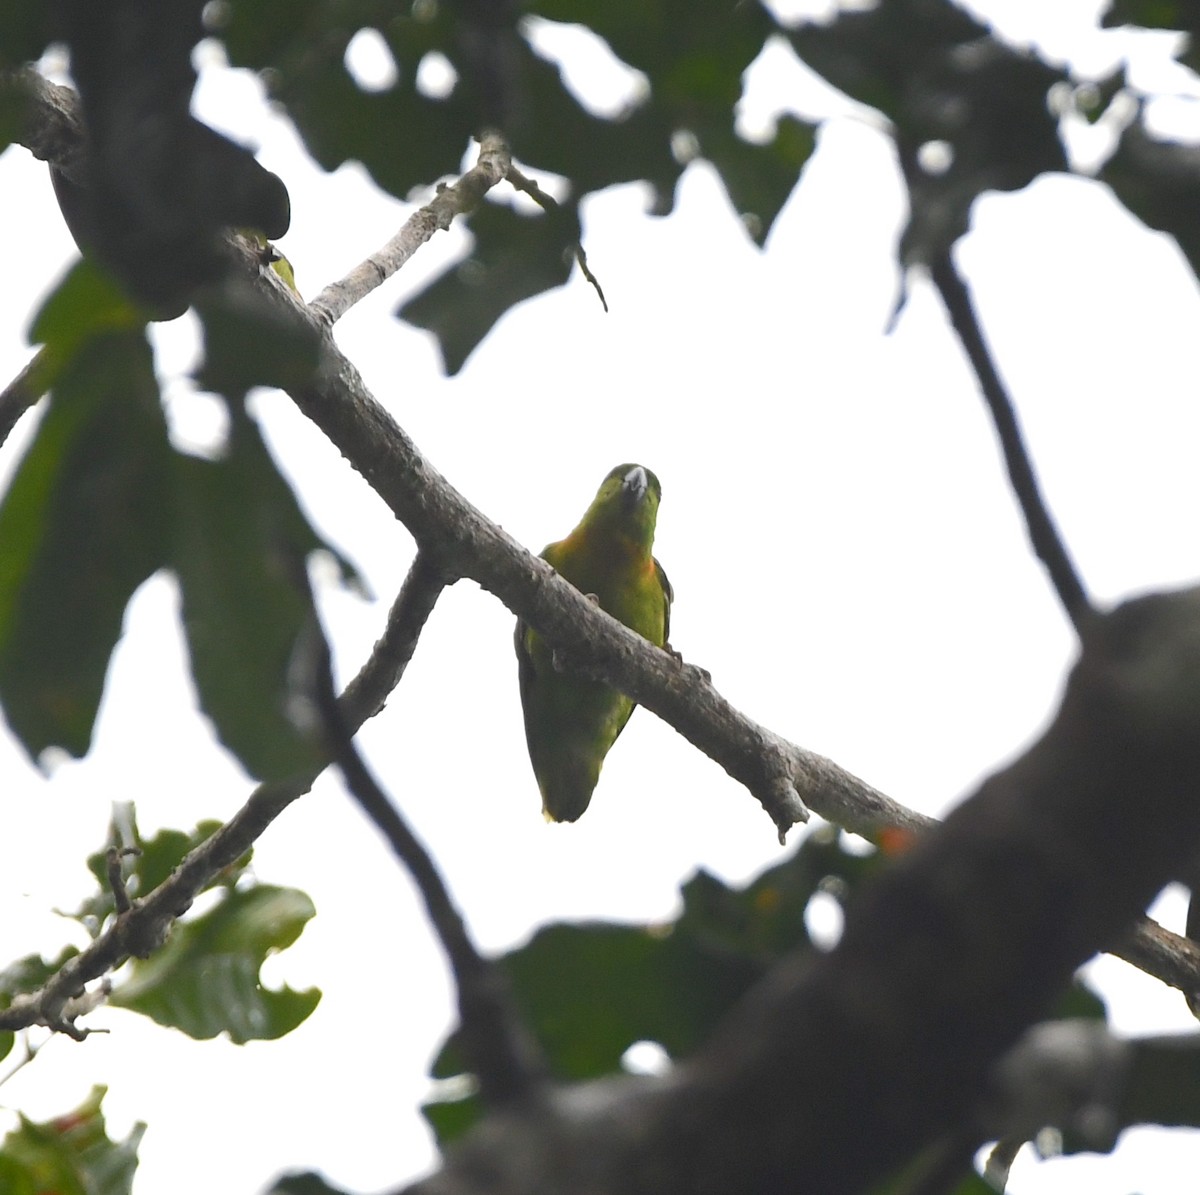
634, 484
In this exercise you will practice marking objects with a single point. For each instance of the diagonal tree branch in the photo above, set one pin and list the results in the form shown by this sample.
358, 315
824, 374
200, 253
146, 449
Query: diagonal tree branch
144, 926
459, 199
1043, 534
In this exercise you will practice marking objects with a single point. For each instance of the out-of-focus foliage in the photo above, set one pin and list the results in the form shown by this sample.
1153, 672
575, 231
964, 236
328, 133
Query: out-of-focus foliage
69, 1155
101, 500
408, 134
969, 113
205, 980
591, 991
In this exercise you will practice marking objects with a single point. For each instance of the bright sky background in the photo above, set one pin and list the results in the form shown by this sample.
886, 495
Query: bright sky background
847, 558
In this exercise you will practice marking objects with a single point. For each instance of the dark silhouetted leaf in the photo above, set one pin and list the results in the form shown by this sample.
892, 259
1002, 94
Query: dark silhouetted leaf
909, 1178
694, 56
249, 342
306, 1183
1164, 1083
970, 111
240, 552
1153, 14
404, 138
759, 178
83, 524
205, 980
1159, 182
591, 991
1079, 1002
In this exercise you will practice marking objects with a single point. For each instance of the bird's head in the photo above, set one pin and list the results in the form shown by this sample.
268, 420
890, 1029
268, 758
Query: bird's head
627, 501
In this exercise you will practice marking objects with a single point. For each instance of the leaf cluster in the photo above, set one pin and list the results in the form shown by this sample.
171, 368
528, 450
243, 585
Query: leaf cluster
205, 980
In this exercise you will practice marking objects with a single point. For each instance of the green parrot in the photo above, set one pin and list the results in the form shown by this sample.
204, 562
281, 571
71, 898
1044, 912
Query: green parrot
571, 722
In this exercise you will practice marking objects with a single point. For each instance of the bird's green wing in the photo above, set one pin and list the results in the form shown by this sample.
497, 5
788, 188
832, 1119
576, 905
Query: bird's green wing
669, 593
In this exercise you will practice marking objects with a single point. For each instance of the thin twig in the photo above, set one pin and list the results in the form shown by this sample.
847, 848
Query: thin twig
436, 216
504, 1057
116, 881
23, 392
1043, 534
145, 925
523, 183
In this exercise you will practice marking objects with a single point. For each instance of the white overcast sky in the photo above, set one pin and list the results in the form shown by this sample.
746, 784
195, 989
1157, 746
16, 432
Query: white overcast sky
847, 559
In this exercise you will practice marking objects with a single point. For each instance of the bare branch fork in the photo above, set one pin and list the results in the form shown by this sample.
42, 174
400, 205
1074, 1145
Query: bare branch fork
492, 166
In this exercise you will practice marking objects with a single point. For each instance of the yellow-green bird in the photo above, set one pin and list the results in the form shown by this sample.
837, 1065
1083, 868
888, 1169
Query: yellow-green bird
571, 722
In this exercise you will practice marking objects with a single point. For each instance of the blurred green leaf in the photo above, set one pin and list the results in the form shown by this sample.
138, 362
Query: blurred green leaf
85, 304
249, 342
515, 257
759, 178
450, 1116
240, 551
83, 524
1079, 1002
591, 991
1183, 15
205, 980
69, 1155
